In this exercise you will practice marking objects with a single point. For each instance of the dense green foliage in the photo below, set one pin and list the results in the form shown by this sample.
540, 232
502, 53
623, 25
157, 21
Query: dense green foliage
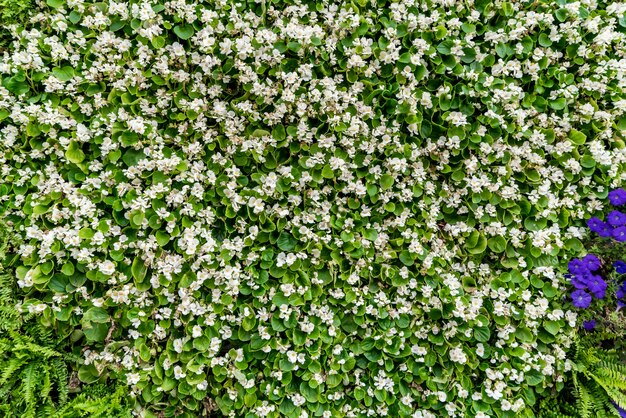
35, 364
598, 380
304, 209
12, 12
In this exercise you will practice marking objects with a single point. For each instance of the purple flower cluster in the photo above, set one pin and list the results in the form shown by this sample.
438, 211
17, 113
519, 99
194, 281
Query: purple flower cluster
615, 225
584, 273
585, 278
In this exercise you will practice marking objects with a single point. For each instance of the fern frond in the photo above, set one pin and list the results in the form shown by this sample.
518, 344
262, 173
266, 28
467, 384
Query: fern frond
61, 377
29, 383
46, 384
584, 401
10, 368
599, 399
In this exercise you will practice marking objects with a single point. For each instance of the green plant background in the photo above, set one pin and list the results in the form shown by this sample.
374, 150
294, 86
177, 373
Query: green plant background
370, 202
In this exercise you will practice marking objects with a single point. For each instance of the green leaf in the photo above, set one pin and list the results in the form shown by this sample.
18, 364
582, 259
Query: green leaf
279, 299
480, 244
333, 380
587, 161
259, 133
248, 323
544, 40
162, 238
468, 27
286, 242
328, 172
15, 86
201, 343
95, 331
561, 15
96, 314
348, 365
482, 334
74, 17
472, 239
55, 4
406, 258
139, 269
278, 133
574, 244
131, 157
185, 31
440, 32
285, 365
68, 268
444, 47
63, 314
533, 377
386, 181
158, 42
136, 219
577, 137
370, 234
309, 393
552, 327
64, 74
507, 9
558, 104
144, 352
74, 153
88, 373
524, 334
497, 244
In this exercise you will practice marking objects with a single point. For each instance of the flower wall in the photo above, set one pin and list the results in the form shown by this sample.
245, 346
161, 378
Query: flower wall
312, 209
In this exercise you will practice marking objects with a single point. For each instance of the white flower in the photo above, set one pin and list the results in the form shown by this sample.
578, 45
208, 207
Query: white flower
27, 281
458, 355
196, 331
132, 378
107, 267
178, 345
178, 373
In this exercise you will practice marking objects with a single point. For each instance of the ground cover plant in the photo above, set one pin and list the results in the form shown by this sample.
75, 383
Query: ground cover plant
309, 208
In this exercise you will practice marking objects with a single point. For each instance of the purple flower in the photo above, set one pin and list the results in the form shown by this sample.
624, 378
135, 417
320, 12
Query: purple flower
616, 218
589, 325
620, 267
621, 291
620, 234
592, 262
579, 282
595, 224
577, 267
606, 231
617, 197
581, 299
597, 286
600, 293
